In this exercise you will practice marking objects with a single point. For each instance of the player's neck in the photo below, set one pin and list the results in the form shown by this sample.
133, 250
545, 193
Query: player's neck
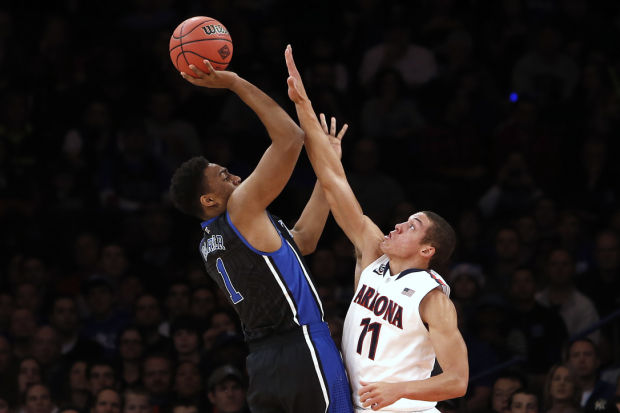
398, 265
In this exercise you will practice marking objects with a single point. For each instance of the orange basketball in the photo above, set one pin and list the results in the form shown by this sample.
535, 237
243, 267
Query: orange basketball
200, 38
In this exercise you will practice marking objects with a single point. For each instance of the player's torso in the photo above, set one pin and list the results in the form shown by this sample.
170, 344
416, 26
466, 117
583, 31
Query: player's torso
384, 338
271, 292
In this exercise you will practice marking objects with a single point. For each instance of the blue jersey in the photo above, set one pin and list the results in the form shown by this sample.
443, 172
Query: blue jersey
271, 291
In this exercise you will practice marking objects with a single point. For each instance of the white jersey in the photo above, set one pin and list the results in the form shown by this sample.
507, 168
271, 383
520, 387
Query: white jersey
384, 338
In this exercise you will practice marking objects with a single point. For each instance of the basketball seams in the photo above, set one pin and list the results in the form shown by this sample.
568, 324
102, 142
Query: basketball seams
199, 40
193, 28
204, 57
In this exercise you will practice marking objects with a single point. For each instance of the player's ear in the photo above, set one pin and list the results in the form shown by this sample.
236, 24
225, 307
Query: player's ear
427, 251
208, 200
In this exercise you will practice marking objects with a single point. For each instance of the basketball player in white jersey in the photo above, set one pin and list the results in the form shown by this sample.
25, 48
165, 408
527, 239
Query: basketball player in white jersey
400, 318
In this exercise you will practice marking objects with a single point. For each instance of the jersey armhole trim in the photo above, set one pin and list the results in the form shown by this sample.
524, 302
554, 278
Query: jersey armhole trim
247, 244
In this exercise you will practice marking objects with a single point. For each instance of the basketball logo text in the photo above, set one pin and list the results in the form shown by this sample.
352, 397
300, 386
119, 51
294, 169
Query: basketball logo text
214, 29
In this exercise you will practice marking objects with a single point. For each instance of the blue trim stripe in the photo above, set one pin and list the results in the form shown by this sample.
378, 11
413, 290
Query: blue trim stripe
290, 268
332, 369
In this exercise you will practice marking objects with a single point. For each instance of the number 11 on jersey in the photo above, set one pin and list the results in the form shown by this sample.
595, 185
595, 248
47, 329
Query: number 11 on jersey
375, 329
235, 296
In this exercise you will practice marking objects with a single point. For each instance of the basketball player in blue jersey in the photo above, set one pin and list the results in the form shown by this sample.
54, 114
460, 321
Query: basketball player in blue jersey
293, 365
400, 319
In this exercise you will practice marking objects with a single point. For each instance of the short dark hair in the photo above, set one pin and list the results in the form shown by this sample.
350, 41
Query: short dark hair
188, 184
526, 391
442, 237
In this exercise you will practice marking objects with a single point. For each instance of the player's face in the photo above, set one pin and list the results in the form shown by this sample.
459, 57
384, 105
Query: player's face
406, 238
220, 180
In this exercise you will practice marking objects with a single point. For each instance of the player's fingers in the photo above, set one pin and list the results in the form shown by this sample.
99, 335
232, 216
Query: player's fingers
189, 78
332, 126
343, 131
208, 64
323, 123
290, 61
198, 72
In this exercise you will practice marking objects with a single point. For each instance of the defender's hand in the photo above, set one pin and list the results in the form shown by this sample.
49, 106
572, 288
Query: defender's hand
378, 395
334, 139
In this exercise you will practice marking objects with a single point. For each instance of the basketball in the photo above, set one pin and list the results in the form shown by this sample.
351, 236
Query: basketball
200, 38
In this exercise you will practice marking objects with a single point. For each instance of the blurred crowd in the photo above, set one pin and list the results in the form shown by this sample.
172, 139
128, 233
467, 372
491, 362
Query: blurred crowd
501, 115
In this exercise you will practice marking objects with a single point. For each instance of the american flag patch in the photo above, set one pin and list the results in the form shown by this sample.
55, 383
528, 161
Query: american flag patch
408, 292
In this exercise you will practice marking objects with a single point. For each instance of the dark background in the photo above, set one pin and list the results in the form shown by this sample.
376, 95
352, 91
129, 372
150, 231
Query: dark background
511, 121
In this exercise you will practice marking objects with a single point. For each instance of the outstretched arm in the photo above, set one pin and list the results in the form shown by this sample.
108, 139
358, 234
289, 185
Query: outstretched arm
438, 312
277, 163
309, 226
362, 232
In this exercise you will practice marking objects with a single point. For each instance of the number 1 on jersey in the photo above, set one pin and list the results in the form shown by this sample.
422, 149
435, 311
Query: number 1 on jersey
235, 296
375, 328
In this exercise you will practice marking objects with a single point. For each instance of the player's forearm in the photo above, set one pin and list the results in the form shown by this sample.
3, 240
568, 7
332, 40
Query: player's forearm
325, 163
310, 225
444, 386
279, 125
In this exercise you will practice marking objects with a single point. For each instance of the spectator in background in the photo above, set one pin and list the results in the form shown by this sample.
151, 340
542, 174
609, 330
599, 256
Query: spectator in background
136, 400
222, 323
133, 177
38, 399
375, 189
524, 401
562, 393
65, 321
6, 358
503, 387
188, 384
582, 355
157, 379
107, 400
545, 72
28, 373
505, 258
577, 311
186, 339
101, 375
227, 390
147, 317
466, 281
104, 321
113, 262
513, 192
202, 303
76, 385
6, 309
27, 295
415, 63
543, 329
176, 303
602, 282
130, 349
21, 330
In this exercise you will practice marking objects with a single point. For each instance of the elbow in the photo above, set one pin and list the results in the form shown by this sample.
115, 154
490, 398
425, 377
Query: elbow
459, 386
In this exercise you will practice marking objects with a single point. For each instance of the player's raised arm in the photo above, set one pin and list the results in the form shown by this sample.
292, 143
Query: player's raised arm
277, 163
362, 232
309, 226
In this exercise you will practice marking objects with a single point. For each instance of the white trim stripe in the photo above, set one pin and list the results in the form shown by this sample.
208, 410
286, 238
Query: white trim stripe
316, 295
283, 288
316, 366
